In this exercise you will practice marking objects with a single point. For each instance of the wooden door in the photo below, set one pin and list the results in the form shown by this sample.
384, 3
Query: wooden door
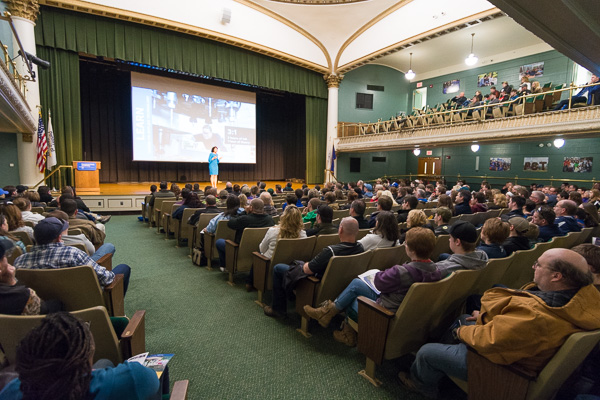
430, 166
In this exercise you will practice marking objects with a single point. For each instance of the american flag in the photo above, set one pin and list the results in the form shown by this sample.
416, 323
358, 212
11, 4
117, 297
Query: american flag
42, 145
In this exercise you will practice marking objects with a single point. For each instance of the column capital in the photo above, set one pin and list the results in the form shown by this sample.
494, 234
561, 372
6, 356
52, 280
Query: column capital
333, 80
28, 9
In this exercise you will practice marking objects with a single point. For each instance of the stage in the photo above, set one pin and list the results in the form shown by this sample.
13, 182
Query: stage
128, 196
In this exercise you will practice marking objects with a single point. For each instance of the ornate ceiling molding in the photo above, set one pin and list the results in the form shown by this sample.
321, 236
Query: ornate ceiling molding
162, 23
423, 37
581, 121
317, 2
28, 9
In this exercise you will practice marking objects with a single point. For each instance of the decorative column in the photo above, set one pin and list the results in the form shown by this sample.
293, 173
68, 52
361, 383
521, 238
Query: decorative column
333, 85
24, 13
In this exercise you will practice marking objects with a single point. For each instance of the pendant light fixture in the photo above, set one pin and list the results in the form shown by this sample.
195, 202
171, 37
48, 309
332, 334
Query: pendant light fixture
410, 74
472, 59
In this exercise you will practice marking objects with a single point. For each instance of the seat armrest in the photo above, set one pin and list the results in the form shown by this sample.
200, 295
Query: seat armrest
133, 339
373, 328
306, 290
180, 389
114, 296
106, 261
260, 265
231, 253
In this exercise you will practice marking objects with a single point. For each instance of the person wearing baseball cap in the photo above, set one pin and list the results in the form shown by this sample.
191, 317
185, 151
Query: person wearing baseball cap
463, 237
50, 252
323, 225
517, 239
368, 191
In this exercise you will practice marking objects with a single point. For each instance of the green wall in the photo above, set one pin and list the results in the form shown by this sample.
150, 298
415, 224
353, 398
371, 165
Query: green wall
9, 155
385, 104
558, 69
462, 161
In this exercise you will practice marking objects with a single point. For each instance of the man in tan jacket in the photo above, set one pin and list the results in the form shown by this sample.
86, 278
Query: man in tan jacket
521, 327
88, 228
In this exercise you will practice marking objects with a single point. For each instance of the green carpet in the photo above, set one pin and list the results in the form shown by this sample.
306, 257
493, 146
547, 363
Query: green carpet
221, 339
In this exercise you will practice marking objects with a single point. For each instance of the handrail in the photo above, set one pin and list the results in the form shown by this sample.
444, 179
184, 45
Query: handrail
505, 179
9, 64
521, 100
58, 171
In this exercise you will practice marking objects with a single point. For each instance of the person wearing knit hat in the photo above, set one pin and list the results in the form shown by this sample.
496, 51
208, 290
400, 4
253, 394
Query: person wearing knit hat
463, 238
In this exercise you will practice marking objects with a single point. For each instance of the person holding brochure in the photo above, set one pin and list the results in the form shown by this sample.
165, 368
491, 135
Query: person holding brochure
213, 166
387, 287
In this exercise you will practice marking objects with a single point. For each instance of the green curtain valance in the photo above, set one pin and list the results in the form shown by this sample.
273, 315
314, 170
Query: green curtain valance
101, 36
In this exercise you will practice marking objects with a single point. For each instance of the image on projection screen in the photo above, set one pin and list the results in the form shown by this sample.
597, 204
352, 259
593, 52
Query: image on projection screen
180, 121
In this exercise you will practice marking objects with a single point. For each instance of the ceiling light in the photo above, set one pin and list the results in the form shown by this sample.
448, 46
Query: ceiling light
472, 59
474, 148
558, 143
410, 74
416, 152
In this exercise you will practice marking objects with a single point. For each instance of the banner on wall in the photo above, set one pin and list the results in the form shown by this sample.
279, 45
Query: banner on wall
531, 70
578, 164
499, 164
451, 86
535, 164
487, 79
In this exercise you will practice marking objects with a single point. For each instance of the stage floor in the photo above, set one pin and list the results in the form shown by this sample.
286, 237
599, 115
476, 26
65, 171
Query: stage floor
142, 189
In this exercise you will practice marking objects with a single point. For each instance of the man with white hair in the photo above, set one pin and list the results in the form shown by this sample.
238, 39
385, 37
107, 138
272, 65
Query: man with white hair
565, 211
538, 197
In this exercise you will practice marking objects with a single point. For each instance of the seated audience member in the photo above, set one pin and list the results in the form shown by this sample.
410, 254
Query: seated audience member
576, 197
69, 192
223, 198
416, 218
591, 253
17, 299
585, 95
591, 218
331, 201
368, 193
515, 205
463, 237
385, 233
384, 204
15, 220
54, 361
538, 197
517, 239
493, 235
357, 211
544, 217
211, 208
441, 219
106, 248
446, 201
460, 99
309, 214
89, 229
529, 208
10, 192
288, 187
268, 201
552, 196
523, 328
565, 216
408, 203
478, 203
6, 235
45, 196
317, 266
34, 198
196, 189
185, 193
163, 192
323, 224
25, 206
461, 206
191, 200
393, 283
290, 227
255, 217
290, 198
351, 197
51, 253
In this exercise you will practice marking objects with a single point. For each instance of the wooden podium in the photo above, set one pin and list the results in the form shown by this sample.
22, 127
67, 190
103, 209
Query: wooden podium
87, 176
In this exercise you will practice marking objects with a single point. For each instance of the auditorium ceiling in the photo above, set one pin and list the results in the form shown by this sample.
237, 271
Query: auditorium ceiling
336, 36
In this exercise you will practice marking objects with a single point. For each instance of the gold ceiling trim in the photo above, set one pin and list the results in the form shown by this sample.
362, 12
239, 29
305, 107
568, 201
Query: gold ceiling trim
289, 24
317, 2
139, 18
409, 42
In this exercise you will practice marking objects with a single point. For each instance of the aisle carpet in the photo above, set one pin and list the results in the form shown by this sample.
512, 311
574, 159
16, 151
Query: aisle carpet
222, 341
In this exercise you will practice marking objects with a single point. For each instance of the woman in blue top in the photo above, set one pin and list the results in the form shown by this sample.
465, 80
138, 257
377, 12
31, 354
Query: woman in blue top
54, 361
213, 166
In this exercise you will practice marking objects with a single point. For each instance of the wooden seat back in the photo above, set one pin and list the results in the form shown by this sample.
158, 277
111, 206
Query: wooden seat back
340, 271
222, 232
180, 227
493, 272
386, 257
322, 242
23, 237
442, 245
239, 256
14, 254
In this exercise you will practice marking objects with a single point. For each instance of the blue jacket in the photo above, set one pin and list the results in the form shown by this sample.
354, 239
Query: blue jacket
548, 232
492, 250
567, 224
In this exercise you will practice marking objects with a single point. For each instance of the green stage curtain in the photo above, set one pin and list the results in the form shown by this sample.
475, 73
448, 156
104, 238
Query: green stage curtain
59, 92
316, 139
100, 36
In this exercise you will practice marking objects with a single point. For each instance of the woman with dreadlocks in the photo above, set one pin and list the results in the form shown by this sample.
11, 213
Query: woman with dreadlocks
54, 362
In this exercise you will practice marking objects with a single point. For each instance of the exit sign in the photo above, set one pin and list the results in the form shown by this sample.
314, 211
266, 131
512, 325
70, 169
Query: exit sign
419, 84
429, 152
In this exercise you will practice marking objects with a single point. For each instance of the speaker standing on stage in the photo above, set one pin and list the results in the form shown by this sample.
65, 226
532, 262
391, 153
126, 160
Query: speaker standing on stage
213, 166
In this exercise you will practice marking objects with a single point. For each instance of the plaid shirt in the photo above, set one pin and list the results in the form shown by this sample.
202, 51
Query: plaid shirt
57, 255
